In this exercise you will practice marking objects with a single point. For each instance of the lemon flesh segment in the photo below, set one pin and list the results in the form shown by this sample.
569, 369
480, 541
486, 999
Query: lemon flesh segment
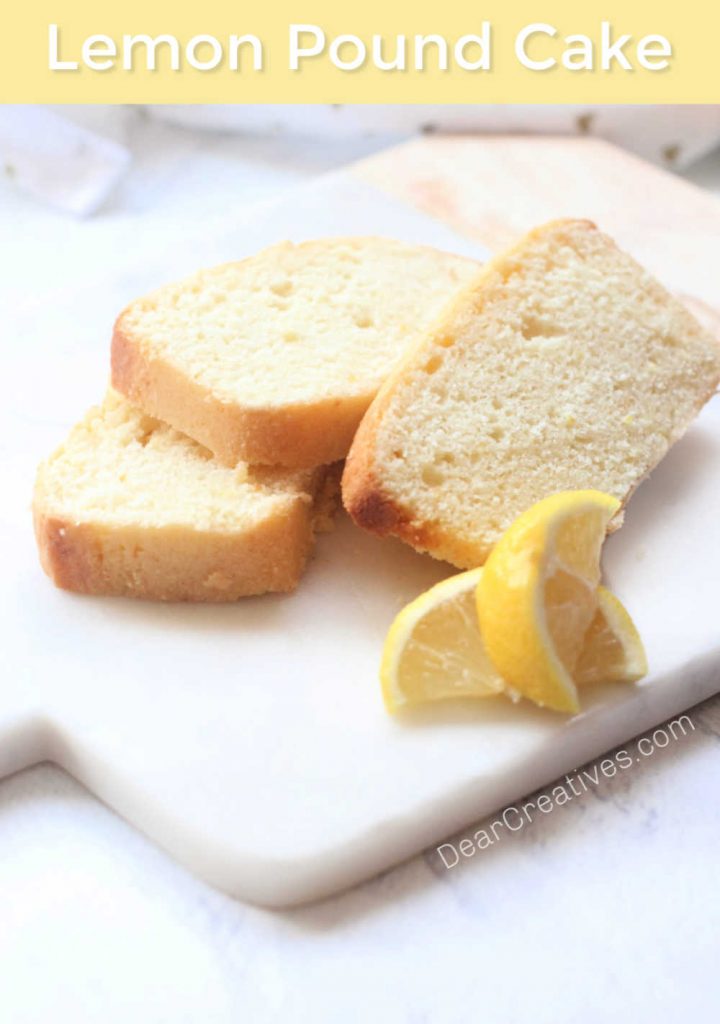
613, 651
537, 595
434, 650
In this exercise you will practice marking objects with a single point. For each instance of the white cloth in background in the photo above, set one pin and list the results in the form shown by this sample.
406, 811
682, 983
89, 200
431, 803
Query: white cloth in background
75, 168
58, 161
672, 135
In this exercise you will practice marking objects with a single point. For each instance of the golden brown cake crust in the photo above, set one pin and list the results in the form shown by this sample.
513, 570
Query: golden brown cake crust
175, 564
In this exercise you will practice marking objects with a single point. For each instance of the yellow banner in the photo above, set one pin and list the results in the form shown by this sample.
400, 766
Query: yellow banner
538, 51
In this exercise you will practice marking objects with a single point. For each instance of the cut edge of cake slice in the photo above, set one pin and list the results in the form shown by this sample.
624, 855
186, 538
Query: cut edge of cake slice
564, 365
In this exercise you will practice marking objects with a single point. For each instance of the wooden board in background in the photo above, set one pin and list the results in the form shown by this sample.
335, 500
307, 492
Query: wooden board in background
495, 188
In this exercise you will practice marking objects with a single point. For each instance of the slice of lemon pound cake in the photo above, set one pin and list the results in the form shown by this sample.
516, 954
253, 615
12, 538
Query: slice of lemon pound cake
562, 366
275, 359
129, 506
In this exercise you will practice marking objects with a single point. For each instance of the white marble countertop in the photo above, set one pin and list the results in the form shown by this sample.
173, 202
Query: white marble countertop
605, 910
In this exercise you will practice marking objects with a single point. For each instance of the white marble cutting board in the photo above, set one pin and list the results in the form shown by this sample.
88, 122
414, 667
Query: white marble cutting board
250, 740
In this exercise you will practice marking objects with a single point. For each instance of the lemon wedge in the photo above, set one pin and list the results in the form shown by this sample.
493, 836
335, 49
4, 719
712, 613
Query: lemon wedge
537, 595
434, 649
537, 602
612, 651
